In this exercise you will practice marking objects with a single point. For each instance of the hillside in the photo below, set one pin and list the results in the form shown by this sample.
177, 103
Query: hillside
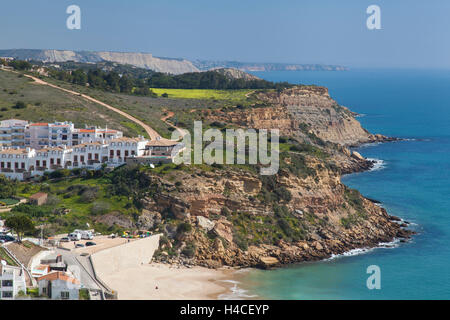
216, 215
142, 60
165, 65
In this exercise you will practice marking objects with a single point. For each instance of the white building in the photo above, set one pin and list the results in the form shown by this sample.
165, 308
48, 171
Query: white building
17, 163
39, 135
59, 285
12, 132
12, 281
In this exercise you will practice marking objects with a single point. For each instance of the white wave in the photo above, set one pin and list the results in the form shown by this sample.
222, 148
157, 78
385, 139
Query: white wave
378, 164
235, 293
356, 252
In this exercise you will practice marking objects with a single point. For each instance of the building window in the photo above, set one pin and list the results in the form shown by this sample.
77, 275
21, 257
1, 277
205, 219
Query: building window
7, 294
118, 153
82, 158
126, 153
7, 283
44, 163
64, 295
111, 153
38, 163
75, 158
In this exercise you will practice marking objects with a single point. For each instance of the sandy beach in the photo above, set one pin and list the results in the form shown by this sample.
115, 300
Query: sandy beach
172, 282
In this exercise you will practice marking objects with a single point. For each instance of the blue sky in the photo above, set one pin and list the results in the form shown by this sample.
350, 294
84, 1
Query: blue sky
415, 34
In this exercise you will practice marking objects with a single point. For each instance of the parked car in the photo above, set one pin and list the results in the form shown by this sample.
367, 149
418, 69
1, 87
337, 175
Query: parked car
90, 243
65, 239
79, 245
7, 238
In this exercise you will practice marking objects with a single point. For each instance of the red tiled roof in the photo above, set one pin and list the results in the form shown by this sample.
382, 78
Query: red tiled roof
39, 124
59, 275
38, 195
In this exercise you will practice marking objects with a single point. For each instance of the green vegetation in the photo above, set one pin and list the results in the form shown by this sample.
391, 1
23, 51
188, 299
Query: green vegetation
8, 188
21, 224
257, 229
20, 98
84, 294
230, 95
5, 256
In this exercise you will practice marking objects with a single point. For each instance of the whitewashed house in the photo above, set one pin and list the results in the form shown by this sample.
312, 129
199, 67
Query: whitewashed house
59, 285
12, 281
122, 148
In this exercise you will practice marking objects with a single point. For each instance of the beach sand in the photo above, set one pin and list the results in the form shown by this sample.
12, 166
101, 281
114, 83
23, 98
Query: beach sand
173, 282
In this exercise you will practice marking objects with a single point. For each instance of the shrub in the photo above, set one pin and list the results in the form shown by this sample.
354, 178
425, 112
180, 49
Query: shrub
183, 228
189, 250
89, 194
20, 105
100, 207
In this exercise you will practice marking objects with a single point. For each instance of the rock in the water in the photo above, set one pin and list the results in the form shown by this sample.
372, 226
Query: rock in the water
268, 262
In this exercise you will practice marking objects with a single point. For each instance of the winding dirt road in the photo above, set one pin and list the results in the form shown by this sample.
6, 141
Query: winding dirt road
153, 134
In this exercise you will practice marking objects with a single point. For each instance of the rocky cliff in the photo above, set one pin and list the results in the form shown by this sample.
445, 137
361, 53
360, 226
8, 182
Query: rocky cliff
302, 111
237, 217
141, 60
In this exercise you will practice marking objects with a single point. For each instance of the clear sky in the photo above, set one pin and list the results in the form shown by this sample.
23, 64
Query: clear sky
414, 33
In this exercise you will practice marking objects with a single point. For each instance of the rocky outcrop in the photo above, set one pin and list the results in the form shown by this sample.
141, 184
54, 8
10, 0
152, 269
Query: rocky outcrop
302, 111
304, 212
232, 73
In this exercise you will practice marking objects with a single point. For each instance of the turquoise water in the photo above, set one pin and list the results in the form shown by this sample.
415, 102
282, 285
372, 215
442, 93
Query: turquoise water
414, 185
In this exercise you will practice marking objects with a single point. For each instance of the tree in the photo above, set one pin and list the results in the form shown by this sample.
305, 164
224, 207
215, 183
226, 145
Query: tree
79, 77
8, 187
21, 224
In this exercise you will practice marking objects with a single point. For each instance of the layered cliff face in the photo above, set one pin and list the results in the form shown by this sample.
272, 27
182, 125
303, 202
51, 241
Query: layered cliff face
238, 220
303, 213
300, 111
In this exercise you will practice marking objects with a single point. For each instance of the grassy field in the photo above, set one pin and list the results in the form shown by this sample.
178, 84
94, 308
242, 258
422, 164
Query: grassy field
6, 257
229, 95
150, 109
45, 104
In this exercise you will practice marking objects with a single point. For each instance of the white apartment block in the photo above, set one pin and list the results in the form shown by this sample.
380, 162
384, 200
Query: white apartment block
12, 281
29, 150
23, 163
20, 133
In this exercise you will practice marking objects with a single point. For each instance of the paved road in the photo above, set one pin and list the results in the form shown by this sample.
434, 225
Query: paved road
86, 275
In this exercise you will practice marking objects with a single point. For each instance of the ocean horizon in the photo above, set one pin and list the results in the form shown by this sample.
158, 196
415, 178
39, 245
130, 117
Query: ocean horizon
410, 180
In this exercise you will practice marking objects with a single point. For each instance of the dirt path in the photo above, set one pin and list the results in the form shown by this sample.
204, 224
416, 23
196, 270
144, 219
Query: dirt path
169, 115
153, 134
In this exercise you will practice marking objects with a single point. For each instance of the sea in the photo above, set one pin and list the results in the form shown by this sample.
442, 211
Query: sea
411, 180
